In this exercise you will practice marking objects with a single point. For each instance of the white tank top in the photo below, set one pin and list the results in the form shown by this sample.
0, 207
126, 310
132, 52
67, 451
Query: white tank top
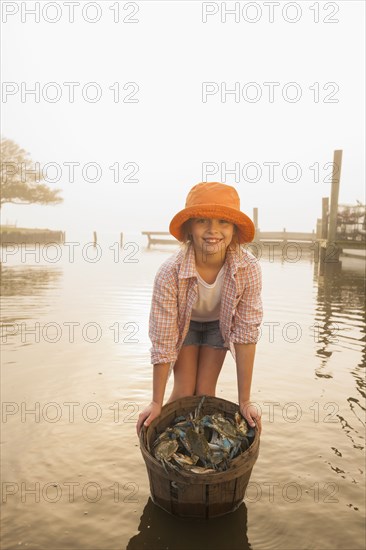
207, 306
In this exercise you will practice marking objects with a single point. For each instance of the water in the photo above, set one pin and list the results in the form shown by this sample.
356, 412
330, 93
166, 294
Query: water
72, 472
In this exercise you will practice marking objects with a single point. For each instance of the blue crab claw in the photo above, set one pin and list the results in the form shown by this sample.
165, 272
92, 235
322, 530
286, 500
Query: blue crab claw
197, 412
206, 421
179, 419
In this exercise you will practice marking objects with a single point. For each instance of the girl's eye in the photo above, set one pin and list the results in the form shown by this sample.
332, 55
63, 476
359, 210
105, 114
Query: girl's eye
206, 220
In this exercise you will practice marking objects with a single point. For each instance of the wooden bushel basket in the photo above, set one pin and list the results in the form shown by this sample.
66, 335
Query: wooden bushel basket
186, 494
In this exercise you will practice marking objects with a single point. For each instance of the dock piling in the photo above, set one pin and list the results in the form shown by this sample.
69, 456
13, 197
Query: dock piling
331, 247
324, 222
255, 218
336, 174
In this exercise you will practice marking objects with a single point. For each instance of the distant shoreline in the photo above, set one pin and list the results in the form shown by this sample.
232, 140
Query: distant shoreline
29, 235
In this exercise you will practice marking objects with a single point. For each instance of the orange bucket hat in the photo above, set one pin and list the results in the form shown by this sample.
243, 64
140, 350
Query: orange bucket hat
213, 200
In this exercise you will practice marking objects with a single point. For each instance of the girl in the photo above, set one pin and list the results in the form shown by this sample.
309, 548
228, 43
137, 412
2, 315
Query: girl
206, 300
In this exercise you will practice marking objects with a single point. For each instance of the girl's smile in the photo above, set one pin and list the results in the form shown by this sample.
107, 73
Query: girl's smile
211, 234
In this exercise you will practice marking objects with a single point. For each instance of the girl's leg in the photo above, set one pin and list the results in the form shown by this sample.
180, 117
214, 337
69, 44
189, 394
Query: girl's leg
185, 372
210, 361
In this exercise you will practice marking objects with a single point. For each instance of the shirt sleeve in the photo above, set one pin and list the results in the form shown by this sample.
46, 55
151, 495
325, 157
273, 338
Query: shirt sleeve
163, 321
249, 310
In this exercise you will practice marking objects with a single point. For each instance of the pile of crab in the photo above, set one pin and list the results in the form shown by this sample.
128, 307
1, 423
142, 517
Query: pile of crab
202, 443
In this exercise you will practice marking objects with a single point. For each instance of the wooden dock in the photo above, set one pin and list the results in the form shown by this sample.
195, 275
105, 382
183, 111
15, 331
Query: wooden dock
330, 243
10, 235
152, 239
284, 237
271, 237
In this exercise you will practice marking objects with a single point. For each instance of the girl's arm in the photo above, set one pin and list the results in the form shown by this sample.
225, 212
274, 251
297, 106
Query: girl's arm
246, 333
160, 377
163, 320
163, 333
153, 410
245, 354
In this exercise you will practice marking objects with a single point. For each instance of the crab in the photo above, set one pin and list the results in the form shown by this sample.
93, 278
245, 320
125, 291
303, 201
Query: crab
222, 425
240, 423
186, 462
196, 444
165, 450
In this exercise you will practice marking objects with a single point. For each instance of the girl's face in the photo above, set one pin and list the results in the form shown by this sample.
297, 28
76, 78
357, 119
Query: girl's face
211, 235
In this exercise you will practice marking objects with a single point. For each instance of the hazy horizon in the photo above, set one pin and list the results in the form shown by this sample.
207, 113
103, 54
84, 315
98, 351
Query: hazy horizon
162, 140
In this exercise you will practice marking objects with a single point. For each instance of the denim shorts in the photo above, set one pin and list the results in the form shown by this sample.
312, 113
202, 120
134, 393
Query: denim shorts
206, 333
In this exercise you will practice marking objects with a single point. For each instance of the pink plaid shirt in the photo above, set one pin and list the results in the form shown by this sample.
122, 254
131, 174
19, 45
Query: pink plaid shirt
176, 290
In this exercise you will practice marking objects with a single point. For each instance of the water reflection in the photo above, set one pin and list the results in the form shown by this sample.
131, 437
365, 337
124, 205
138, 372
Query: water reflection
339, 320
30, 286
159, 530
340, 313
27, 281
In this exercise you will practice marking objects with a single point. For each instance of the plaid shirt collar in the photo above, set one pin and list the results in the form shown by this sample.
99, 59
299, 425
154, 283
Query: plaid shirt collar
188, 267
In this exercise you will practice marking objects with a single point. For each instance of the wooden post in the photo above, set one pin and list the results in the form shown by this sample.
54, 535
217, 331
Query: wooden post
255, 218
319, 228
330, 254
323, 231
332, 251
315, 242
336, 175
325, 209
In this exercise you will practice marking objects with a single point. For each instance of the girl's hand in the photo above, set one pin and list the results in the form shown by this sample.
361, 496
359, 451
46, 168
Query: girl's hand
147, 415
252, 414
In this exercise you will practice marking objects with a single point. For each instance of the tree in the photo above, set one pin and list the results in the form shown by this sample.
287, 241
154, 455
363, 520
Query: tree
18, 184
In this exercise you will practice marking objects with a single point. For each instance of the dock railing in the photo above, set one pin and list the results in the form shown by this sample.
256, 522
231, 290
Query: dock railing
152, 239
